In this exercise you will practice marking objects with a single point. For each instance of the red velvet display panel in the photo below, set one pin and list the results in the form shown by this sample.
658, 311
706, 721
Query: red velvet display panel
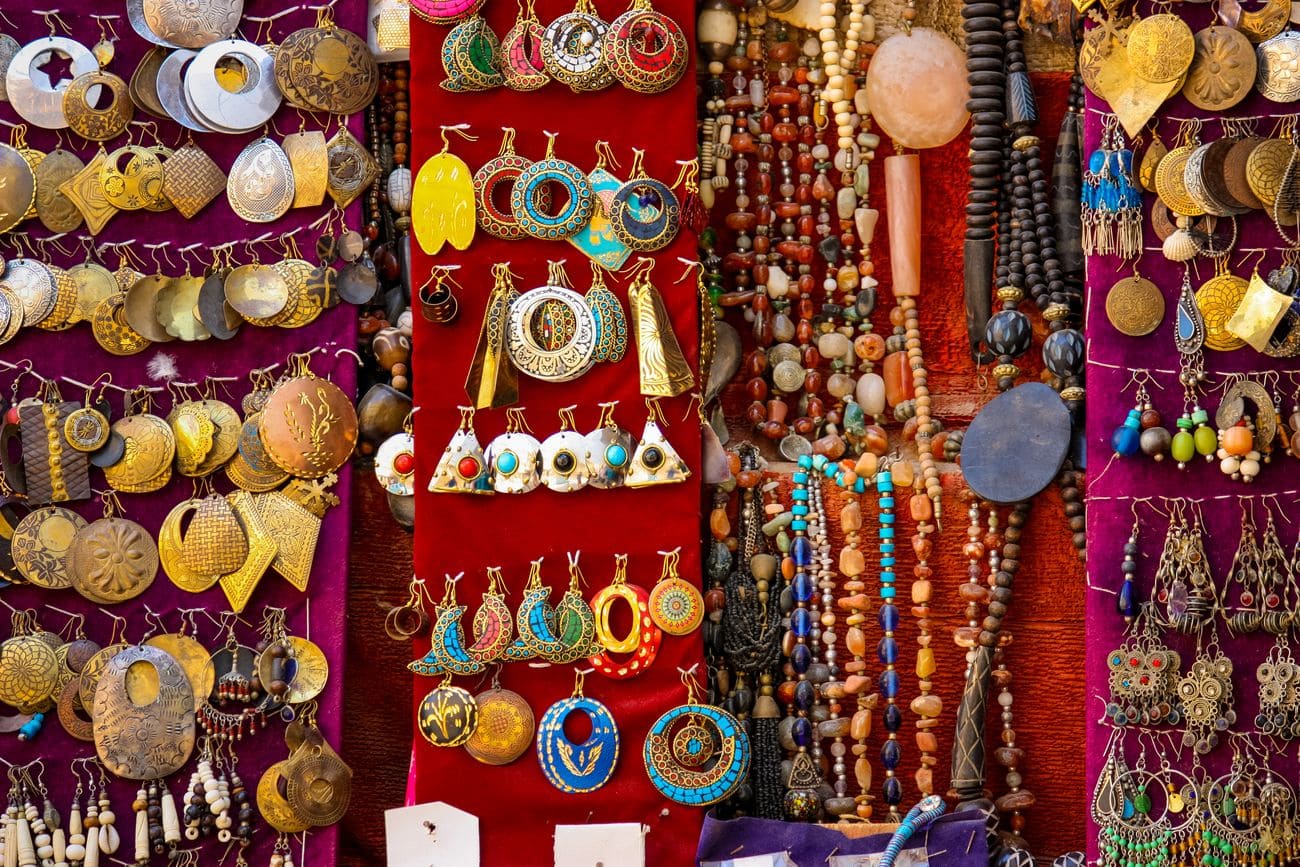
516, 806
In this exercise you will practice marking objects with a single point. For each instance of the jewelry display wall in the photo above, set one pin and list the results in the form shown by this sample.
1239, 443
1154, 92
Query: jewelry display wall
464, 532
173, 243
1153, 507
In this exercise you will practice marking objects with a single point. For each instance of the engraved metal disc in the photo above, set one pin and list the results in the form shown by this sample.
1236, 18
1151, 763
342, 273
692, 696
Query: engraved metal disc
135, 14
34, 286
245, 110
37, 98
8, 48
256, 291
1214, 180
505, 727
1266, 167
17, 188
326, 69
260, 185
1171, 185
1161, 47
1015, 444
1217, 299
97, 123
40, 546
191, 24
1223, 69
55, 210
1135, 306
1235, 173
1278, 76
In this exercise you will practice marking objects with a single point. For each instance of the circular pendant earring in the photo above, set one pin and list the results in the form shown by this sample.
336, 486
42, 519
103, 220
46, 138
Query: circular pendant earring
565, 457
448, 715
551, 333
696, 754
527, 199
515, 456
676, 605
505, 726
572, 49
578, 768
645, 213
498, 174
37, 97
645, 50
611, 449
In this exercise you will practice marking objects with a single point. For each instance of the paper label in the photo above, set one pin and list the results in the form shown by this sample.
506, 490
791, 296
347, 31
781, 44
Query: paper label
776, 859
915, 857
431, 835
613, 845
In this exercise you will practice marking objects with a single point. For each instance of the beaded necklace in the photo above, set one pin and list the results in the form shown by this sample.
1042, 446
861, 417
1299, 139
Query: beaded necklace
802, 802
926, 705
891, 751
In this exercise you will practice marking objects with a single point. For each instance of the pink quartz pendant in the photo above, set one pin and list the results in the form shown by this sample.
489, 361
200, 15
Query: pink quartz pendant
903, 191
917, 88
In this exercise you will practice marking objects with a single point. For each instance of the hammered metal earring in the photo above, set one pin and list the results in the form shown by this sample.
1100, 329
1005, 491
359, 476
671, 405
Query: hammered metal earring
462, 469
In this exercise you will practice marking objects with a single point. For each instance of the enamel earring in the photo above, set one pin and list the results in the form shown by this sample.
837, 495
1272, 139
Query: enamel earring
515, 456
656, 462
676, 605
566, 457
576, 768
442, 202
462, 469
611, 323
696, 754
610, 448
638, 648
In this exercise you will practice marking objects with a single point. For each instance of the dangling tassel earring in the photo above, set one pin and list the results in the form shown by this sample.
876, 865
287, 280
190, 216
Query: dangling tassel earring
656, 462
664, 371
462, 469
493, 381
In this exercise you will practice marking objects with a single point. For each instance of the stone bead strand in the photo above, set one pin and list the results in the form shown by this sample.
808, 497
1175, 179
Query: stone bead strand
857, 604
926, 706
891, 750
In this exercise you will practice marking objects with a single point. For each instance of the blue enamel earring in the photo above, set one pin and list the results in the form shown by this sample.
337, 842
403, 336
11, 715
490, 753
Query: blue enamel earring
696, 754
515, 456
1143, 427
610, 447
565, 457
577, 768
611, 322
596, 238
645, 212
462, 468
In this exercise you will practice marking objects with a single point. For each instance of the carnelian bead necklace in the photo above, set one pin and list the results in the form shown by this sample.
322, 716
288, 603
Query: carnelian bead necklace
926, 706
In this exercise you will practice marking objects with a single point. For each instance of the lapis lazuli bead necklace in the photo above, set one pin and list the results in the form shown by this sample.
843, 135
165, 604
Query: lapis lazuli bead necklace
891, 751
801, 622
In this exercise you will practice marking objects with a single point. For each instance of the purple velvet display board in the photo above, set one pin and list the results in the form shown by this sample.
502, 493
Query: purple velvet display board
319, 613
1119, 489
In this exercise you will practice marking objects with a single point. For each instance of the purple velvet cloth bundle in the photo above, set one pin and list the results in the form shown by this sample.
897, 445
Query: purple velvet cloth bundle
954, 840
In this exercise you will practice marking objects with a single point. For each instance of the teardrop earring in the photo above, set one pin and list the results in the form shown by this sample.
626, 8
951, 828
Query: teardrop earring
462, 469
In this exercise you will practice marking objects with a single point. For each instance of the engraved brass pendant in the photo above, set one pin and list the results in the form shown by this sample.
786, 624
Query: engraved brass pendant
144, 715
193, 658
1223, 69
296, 530
192, 25
55, 210
17, 188
303, 670
34, 286
240, 585
55, 472
112, 332
260, 187
29, 672
215, 543
1257, 316
86, 192
505, 727
90, 122
112, 560
170, 552
1135, 306
309, 157
664, 370
271, 804
94, 283
40, 546
191, 180
1161, 47
351, 168
146, 465
251, 469
318, 784
326, 68
1218, 299
309, 426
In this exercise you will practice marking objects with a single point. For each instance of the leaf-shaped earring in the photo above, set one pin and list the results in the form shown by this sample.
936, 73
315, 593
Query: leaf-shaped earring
611, 323
442, 203
462, 469
656, 462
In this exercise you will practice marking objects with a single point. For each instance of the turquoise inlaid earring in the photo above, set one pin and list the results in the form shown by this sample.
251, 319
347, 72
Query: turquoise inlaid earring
696, 754
611, 449
525, 198
515, 457
645, 213
577, 768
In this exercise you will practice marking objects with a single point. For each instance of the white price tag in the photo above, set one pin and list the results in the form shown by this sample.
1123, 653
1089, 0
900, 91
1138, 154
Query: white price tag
776, 859
915, 857
614, 845
431, 835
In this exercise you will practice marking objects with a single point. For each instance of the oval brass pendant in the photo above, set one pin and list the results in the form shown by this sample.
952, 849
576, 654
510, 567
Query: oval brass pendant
260, 186
55, 210
326, 69
1223, 69
257, 292
309, 427
1135, 306
193, 659
144, 715
112, 560
1278, 75
1161, 47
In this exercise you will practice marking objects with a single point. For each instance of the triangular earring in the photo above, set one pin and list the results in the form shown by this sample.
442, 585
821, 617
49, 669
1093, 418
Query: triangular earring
462, 468
611, 450
656, 462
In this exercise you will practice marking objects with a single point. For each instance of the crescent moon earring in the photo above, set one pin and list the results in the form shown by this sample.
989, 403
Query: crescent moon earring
535, 621
469, 57
574, 620
447, 653
521, 52
493, 630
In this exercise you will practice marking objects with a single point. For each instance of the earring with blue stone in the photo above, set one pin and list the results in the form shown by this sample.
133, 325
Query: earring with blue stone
611, 448
515, 457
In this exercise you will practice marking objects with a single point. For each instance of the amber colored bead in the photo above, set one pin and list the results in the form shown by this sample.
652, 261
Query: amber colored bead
805, 164
785, 132
898, 378
762, 244
816, 409
876, 440
788, 249
787, 211
921, 508
803, 332
972, 592
756, 413
922, 546
748, 478
936, 445
775, 430
755, 363
814, 381
807, 132
777, 410
804, 426
766, 152
866, 267
715, 600
741, 221
764, 214
803, 194
1150, 418
741, 141
756, 388
810, 357
733, 462
719, 526
734, 262
830, 446
805, 225
897, 317
766, 123
763, 185
909, 428
869, 346
782, 94
785, 691
761, 272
